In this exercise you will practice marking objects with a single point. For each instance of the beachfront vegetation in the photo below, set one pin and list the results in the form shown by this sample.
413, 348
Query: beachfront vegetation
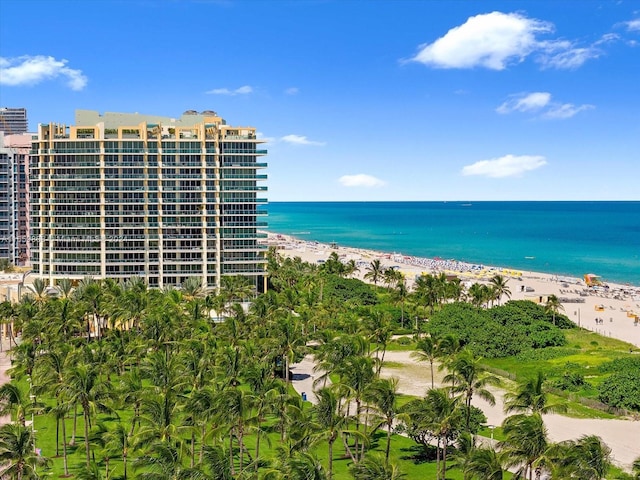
129, 382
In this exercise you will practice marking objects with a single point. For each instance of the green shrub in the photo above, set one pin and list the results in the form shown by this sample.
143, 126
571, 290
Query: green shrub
349, 290
621, 390
625, 364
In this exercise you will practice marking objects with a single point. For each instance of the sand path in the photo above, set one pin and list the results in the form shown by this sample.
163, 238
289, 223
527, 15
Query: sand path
414, 378
5, 364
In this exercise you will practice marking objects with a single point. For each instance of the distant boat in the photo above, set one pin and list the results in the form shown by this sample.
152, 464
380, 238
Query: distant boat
530, 258
466, 204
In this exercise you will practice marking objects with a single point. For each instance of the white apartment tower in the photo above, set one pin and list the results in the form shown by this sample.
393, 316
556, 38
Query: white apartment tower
123, 195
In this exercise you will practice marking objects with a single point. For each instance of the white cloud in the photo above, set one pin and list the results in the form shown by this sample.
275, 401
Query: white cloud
565, 110
491, 40
633, 25
507, 166
300, 140
361, 180
540, 102
30, 70
525, 102
244, 90
292, 91
496, 40
571, 58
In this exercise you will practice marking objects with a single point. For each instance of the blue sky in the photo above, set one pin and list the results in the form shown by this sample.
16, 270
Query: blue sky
377, 100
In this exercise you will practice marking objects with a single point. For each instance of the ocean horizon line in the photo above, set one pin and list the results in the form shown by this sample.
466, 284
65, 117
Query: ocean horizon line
453, 201
569, 238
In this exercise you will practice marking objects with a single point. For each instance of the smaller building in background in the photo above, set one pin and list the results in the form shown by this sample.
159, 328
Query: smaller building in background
14, 197
13, 121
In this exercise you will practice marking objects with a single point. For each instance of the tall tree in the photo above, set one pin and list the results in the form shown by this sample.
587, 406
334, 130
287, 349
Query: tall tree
18, 458
500, 288
374, 271
332, 421
524, 444
531, 396
469, 377
382, 396
84, 388
553, 306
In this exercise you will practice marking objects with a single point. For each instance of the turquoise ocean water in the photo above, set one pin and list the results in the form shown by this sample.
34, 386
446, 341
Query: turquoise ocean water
564, 238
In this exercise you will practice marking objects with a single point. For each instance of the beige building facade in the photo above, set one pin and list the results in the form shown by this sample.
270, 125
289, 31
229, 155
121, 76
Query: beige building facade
123, 195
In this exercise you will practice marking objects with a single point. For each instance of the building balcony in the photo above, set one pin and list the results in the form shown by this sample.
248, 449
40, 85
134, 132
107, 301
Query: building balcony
244, 164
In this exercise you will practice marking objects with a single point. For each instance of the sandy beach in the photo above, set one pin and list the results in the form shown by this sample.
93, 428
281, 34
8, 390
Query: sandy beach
605, 311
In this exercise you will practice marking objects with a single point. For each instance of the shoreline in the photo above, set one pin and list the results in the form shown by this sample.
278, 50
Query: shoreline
299, 236
609, 311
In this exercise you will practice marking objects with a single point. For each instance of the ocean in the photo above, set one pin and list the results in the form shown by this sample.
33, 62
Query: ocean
563, 238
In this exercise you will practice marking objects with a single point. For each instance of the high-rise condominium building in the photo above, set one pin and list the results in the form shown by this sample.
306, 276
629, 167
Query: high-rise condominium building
123, 195
13, 120
14, 197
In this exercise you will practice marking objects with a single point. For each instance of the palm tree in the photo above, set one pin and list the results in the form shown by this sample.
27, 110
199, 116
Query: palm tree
39, 291
291, 344
480, 294
469, 377
89, 293
374, 271
436, 416
524, 444
429, 289
237, 405
14, 402
163, 463
531, 396
356, 374
427, 351
117, 441
553, 306
84, 388
500, 288
399, 295
51, 372
484, 464
375, 468
382, 396
378, 327
328, 415
18, 458
587, 458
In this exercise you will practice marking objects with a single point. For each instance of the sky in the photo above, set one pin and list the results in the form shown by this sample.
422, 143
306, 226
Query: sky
359, 100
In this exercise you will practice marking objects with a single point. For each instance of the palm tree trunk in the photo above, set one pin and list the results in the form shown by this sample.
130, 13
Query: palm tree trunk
330, 476
193, 448
231, 466
241, 444
257, 447
86, 437
438, 460
57, 436
431, 362
444, 460
75, 425
386, 453
64, 446
202, 435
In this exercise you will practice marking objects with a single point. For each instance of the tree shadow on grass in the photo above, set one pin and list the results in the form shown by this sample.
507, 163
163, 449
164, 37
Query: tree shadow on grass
419, 454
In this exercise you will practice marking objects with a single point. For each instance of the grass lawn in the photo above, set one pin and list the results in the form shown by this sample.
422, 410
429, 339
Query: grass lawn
584, 353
